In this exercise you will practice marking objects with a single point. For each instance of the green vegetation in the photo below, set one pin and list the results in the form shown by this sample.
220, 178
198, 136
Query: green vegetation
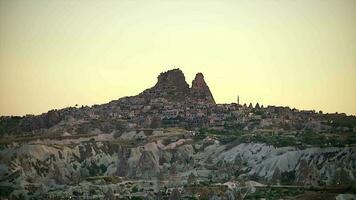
105, 125
96, 170
5, 191
137, 198
325, 139
274, 193
280, 140
8, 140
288, 178
275, 140
341, 121
134, 189
224, 136
107, 179
9, 125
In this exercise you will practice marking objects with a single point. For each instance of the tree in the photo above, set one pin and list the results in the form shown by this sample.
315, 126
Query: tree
192, 179
175, 195
156, 122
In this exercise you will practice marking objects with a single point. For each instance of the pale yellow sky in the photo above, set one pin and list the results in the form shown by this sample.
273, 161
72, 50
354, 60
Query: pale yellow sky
300, 53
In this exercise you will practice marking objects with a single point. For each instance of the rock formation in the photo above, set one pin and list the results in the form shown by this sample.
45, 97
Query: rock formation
65, 162
170, 85
200, 90
172, 79
174, 136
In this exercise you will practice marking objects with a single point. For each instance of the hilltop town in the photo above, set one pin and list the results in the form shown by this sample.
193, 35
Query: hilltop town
171, 103
173, 140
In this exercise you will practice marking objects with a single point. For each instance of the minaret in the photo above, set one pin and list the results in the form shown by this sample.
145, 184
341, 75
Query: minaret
238, 100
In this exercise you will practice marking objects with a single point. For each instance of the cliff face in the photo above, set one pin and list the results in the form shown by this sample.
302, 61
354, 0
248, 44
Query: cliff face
172, 80
200, 90
37, 167
172, 86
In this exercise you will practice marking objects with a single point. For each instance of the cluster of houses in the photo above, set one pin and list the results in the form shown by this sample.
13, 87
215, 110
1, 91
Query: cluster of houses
142, 113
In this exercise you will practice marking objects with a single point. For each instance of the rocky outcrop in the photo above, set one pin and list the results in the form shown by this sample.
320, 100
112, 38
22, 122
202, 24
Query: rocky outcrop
147, 166
170, 85
172, 79
55, 165
290, 165
200, 90
122, 164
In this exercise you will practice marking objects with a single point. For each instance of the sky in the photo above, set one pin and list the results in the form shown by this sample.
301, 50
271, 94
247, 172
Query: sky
296, 53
